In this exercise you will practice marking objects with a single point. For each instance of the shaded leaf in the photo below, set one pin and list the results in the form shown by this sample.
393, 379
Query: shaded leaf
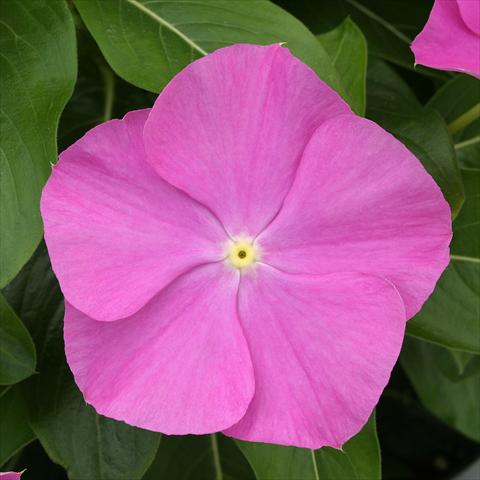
453, 100
17, 351
464, 89
384, 38
454, 402
15, 431
388, 25
451, 316
360, 459
347, 48
468, 151
467, 364
86, 444
37, 41
199, 457
99, 94
413, 440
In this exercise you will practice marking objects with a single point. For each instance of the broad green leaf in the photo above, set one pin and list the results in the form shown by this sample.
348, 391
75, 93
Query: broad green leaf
451, 316
360, 459
199, 457
17, 351
38, 69
347, 48
423, 131
86, 444
453, 100
454, 402
147, 42
15, 431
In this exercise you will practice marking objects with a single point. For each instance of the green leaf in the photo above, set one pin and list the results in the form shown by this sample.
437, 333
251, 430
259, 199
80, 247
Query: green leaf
468, 151
454, 402
466, 239
384, 38
391, 104
37, 41
360, 459
15, 431
467, 364
99, 94
347, 48
465, 90
387, 92
451, 316
17, 351
194, 457
86, 444
147, 43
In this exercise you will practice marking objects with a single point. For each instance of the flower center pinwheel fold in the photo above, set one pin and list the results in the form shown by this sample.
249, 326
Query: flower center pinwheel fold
242, 253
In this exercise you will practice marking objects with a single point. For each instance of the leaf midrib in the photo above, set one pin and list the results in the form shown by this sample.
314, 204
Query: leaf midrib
166, 24
464, 258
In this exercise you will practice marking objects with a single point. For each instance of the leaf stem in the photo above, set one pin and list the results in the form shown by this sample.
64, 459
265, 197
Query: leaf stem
465, 119
109, 84
314, 462
467, 143
216, 457
463, 258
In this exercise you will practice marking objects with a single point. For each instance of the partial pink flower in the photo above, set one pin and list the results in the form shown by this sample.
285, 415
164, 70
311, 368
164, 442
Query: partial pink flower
10, 475
450, 39
243, 256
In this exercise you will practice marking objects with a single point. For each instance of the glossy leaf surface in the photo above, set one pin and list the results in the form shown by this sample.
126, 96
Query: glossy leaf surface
38, 65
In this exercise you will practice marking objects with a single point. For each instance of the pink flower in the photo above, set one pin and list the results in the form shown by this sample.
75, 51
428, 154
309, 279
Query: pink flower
240, 257
451, 38
10, 475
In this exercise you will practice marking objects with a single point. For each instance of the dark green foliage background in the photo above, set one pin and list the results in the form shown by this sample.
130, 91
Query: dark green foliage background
66, 66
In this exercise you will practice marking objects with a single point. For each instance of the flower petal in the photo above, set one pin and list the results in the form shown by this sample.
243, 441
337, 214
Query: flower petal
180, 365
10, 475
446, 42
230, 129
362, 202
116, 232
322, 348
470, 12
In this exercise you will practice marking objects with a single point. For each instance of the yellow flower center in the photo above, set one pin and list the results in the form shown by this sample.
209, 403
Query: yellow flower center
242, 253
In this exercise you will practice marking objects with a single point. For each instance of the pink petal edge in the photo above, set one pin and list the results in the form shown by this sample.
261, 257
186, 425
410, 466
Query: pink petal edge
11, 475
446, 42
322, 348
231, 127
115, 231
180, 365
362, 202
